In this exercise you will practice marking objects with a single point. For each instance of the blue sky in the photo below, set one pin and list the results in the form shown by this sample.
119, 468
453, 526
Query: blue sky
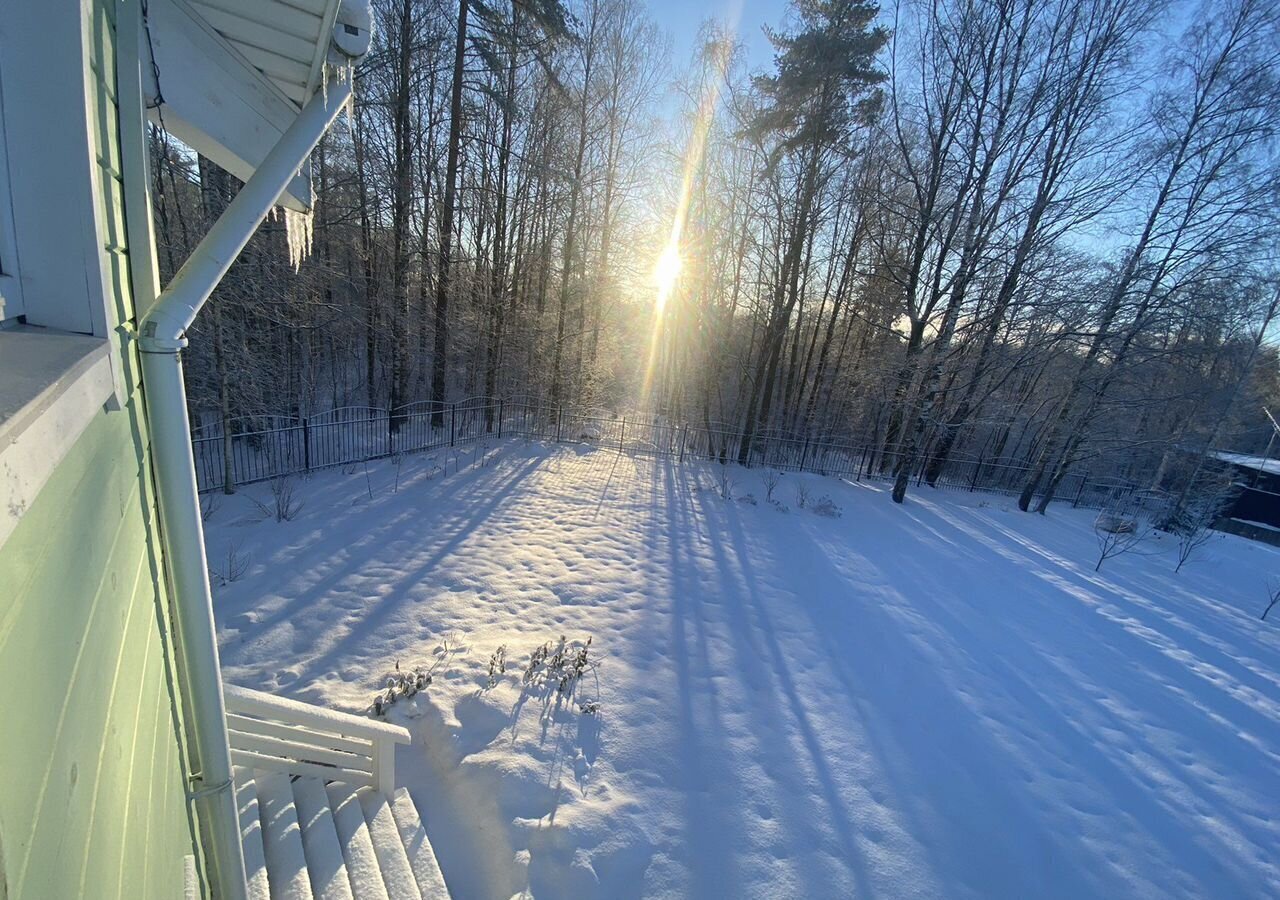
681, 19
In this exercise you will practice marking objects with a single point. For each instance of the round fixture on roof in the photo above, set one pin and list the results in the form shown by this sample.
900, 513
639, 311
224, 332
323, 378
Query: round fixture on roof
353, 28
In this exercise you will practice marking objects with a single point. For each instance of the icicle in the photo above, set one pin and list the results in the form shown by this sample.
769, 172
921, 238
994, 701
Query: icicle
349, 73
344, 72
298, 234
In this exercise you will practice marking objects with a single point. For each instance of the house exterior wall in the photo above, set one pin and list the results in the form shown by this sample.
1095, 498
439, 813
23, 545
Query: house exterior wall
92, 755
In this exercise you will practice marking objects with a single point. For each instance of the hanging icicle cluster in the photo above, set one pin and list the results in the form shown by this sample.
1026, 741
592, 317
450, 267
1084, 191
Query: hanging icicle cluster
298, 235
299, 226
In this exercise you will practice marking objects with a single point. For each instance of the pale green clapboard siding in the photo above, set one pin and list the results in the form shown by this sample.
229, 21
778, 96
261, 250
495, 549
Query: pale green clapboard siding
92, 758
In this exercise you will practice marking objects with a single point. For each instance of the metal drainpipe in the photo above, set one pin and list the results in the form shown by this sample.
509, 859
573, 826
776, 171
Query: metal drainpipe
162, 338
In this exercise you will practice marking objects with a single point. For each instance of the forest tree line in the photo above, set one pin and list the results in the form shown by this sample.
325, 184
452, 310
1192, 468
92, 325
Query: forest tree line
1038, 231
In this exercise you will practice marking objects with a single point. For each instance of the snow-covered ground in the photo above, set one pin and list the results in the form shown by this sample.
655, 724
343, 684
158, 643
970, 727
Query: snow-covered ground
940, 699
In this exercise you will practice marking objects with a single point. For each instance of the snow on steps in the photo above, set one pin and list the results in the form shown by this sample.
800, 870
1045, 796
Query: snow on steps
308, 840
392, 858
255, 863
414, 838
357, 846
328, 870
282, 838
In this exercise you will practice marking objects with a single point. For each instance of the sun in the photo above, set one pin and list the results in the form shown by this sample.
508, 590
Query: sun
667, 272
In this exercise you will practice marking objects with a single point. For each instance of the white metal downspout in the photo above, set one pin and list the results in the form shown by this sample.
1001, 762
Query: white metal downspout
162, 337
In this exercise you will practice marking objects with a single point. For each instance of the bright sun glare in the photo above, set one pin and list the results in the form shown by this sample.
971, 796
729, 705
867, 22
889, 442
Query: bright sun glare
667, 271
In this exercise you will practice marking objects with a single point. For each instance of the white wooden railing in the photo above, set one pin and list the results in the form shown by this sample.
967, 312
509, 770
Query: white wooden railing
279, 735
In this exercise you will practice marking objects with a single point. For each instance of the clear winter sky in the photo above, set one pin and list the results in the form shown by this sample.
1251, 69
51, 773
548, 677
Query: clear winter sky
682, 18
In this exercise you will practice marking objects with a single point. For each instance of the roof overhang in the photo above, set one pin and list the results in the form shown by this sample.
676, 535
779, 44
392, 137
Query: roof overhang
231, 75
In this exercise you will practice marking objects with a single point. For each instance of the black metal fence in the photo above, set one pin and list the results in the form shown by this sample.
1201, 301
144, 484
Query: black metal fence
263, 448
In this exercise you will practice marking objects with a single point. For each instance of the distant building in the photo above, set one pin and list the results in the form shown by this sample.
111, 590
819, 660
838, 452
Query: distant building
1257, 502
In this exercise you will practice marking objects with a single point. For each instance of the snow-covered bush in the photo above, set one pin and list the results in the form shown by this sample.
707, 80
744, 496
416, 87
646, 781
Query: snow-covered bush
780, 506
401, 684
497, 665
559, 667
1119, 529
1115, 523
827, 507
747, 499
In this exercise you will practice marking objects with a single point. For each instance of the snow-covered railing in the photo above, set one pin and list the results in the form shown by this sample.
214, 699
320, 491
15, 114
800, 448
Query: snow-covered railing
279, 735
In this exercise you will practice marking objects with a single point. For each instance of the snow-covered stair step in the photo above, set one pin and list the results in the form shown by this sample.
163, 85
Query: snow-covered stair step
320, 843
426, 870
397, 873
357, 846
282, 838
255, 862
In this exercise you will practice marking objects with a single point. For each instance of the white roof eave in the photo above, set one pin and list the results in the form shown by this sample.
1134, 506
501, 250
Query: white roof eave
234, 74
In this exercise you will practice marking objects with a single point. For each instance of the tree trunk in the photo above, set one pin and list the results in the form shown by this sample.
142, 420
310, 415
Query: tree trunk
439, 358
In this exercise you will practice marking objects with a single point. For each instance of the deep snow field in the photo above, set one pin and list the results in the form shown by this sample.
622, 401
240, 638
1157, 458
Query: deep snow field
940, 699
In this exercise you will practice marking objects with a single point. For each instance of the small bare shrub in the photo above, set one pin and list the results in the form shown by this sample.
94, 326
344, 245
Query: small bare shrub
232, 566
286, 504
1192, 519
726, 484
771, 479
1120, 527
209, 504
397, 460
1195, 536
1273, 596
802, 495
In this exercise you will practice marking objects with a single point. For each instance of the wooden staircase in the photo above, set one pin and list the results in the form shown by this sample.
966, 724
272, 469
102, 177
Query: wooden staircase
320, 816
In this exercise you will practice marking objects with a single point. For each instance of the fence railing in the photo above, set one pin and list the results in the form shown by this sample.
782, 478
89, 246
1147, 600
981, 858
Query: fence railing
262, 449
277, 734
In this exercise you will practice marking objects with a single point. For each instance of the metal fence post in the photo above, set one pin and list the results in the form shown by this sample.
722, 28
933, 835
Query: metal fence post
499, 418
622, 434
453, 419
559, 416
306, 444
1084, 480
684, 439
